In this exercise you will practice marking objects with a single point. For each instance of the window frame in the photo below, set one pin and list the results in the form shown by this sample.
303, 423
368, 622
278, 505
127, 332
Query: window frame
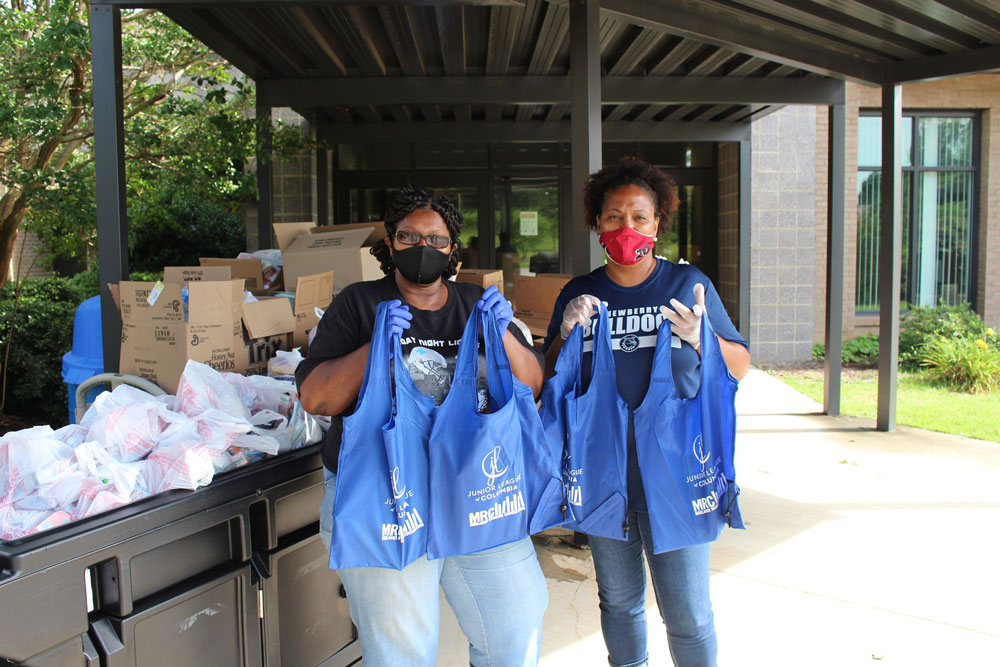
916, 171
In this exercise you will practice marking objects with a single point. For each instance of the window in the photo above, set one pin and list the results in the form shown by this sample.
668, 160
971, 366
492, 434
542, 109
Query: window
940, 171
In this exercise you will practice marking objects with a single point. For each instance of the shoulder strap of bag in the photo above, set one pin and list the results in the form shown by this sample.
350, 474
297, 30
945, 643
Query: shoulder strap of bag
603, 358
463, 382
662, 371
377, 366
712, 362
499, 376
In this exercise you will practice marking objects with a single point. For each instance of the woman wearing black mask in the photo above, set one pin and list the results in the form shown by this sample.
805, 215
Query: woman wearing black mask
498, 595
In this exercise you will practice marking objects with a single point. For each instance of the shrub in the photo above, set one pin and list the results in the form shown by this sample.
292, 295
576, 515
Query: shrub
966, 364
40, 332
175, 227
33, 338
921, 324
861, 350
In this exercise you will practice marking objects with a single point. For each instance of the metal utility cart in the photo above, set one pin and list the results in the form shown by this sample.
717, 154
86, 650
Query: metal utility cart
230, 574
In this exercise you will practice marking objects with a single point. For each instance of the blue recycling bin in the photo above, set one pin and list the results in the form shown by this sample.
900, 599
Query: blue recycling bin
86, 359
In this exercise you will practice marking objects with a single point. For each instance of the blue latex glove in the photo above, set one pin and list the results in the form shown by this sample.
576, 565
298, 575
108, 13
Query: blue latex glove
399, 317
492, 300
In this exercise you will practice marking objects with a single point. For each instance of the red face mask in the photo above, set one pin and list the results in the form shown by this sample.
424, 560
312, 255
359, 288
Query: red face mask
626, 246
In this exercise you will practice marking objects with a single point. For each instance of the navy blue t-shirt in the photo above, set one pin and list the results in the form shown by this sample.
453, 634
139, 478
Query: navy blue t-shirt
634, 314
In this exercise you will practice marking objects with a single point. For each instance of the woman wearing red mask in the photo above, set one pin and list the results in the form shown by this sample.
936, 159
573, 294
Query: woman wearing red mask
628, 205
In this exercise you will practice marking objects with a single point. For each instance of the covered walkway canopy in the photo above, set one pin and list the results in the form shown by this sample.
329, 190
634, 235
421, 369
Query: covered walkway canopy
583, 71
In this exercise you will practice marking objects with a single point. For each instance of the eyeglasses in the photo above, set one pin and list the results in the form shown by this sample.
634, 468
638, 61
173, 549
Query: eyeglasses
438, 241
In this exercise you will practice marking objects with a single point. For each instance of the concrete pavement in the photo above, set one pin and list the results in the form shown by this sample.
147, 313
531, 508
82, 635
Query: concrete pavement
861, 548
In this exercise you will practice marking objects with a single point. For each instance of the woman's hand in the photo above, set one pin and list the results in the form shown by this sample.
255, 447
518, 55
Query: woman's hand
685, 323
578, 311
399, 317
493, 300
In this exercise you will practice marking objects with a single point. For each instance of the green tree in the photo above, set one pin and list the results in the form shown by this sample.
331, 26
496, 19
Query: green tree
188, 121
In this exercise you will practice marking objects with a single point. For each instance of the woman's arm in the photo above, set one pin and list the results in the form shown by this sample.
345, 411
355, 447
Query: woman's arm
333, 386
737, 357
552, 355
523, 363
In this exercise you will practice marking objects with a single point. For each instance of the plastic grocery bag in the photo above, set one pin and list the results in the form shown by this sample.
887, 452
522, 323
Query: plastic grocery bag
22, 454
130, 432
202, 387
284, 363
177, 466
259, 392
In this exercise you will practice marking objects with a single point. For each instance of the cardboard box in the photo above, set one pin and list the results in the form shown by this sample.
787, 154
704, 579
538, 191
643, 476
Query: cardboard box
286, 232
186, 274
249, 270
311, 292
535, 296
344, 251
482, 277
157, 341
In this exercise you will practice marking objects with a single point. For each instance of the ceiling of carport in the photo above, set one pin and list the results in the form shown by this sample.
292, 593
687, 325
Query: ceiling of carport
309, 45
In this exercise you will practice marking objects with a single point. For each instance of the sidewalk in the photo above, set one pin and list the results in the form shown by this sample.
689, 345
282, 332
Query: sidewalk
861, 548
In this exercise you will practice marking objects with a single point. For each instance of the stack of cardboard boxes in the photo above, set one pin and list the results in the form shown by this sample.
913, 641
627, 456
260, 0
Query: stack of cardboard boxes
161, 329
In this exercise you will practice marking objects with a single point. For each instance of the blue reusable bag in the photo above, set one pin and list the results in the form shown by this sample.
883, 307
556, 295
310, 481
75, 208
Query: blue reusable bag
492, 480
685, 448
381, 502
592, 425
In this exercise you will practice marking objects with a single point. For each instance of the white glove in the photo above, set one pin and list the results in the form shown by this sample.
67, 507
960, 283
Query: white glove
578, 311
685, 323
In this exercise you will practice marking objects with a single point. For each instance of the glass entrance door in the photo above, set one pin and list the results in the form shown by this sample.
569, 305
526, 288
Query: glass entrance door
693, 234
366, 196
527, 225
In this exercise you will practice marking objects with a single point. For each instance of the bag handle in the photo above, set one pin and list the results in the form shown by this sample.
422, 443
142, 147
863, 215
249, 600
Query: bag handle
499, 375
376, 367
662, 370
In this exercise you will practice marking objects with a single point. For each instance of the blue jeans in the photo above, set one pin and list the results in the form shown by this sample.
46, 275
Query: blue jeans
680, 582
498, 595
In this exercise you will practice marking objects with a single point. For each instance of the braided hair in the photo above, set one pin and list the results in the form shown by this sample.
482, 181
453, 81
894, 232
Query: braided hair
407, 201
631, 171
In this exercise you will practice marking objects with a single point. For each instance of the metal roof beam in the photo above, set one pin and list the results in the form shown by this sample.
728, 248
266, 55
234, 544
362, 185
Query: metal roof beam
320, 92
734, 29
222, 4
528, 131
976, 61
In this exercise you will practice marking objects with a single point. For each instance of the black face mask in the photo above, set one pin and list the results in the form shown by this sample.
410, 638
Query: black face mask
420, 264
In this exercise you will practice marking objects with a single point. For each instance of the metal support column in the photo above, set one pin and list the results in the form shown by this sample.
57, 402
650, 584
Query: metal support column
835, 257
265, 177
744, 238
890, 254
582, 253
322, 187
109, 163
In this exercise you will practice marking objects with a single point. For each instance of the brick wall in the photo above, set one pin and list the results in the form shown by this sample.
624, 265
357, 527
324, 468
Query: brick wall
822, 140
782, 235
729, 228
28, 260
979, 92
293, 184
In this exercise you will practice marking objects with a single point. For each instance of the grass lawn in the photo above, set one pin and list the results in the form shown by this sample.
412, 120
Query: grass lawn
920, 403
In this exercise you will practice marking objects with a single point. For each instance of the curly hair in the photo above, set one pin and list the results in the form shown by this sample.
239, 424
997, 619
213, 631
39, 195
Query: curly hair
631, 170
406, 202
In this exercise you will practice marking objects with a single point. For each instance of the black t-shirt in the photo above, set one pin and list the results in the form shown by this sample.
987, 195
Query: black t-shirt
430, 345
